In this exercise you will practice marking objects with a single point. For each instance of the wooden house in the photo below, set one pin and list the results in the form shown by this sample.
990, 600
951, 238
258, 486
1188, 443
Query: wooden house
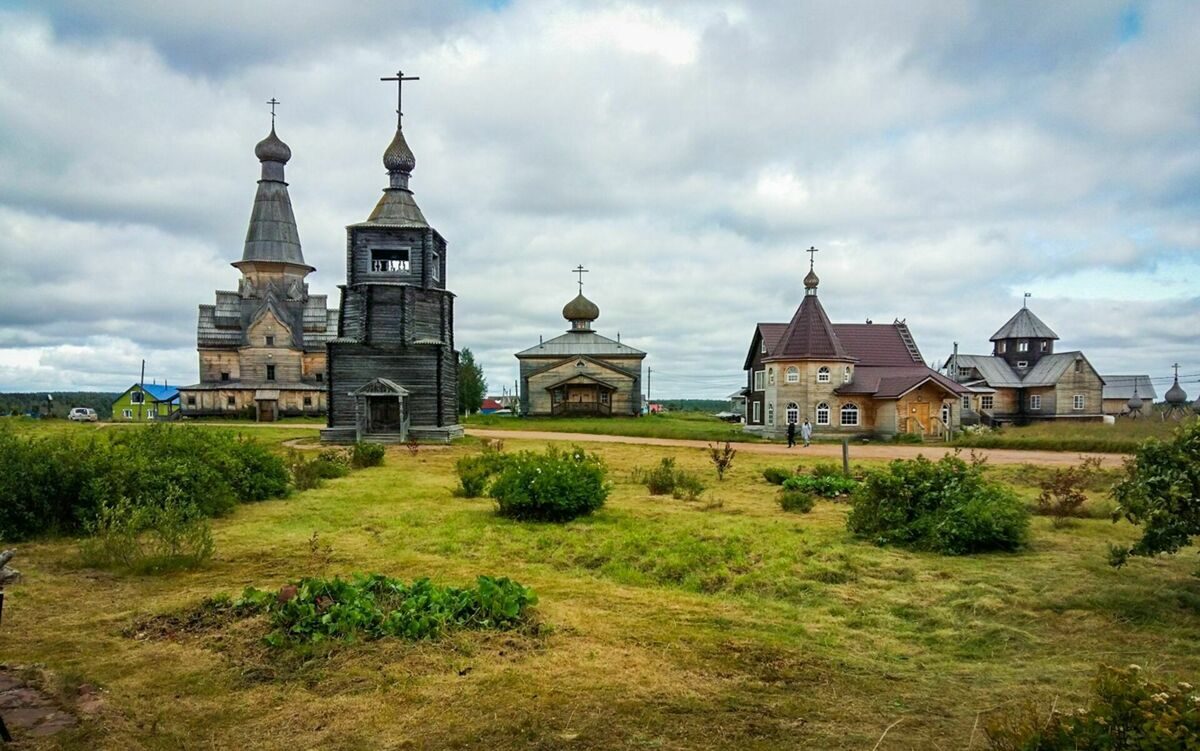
392, 368
848, 379
146, 403
581, 372
1120, 389
262, 348
1025, 380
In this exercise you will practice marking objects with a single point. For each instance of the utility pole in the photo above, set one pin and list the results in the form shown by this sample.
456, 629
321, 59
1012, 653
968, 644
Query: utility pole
649, 371
142, 388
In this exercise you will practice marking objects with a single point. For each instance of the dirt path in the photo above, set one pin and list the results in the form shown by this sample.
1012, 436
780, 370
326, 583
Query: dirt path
819, 450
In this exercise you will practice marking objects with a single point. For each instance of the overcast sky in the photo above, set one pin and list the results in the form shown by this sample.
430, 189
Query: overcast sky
944, 157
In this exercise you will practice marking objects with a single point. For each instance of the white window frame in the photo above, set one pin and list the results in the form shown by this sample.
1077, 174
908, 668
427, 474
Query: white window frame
770, 376
793, 413
792, 375
823, 375
999, 346
1023, 345
852, 409
946, 415
1022, 364
986, 402
435, 269
127, 414
402, 266
1078, 402
1035, 402
846, 374
770, 413
762, 346
757, 413
137, 397
966, 403
1045, 345
759, 377
823, 408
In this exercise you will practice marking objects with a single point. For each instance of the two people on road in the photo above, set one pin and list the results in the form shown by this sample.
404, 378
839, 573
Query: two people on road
805, 433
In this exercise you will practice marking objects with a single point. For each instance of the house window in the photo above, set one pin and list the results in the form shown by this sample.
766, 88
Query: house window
946, 414
850, 414
270, 340
152, 413
770, 414
1045, 345
1078, 402
604, 397
792, 375
986, 401
964, 372
1035, 401
225, 375
1079, 366
558, 396
757, 413
435, 267
822, 414
966, 403
390, 261
758, 380
320, 377
762, 347
771, 376
232, 402
270, 372
1022, 346
999, 346
127, 414
1022, 363
846, 374
308, 401
793, 413
191, 400
822, 374
137, 397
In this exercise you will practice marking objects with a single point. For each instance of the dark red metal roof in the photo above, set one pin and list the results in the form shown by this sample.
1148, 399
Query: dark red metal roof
810, 335
875, 343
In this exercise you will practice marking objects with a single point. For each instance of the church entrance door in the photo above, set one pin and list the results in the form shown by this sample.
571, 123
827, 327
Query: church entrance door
383, 414
920, 415
266, 411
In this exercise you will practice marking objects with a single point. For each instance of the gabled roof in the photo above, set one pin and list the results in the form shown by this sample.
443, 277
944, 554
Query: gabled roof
999, 374
582, 377
893, 382
809, 335
380, 387
876, 344
994, 370
1024, 325
1121, 387
1048, 370
588, 358
158, 393
580, 343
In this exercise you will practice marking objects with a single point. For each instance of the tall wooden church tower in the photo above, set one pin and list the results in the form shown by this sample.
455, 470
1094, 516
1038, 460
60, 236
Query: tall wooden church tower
393, 369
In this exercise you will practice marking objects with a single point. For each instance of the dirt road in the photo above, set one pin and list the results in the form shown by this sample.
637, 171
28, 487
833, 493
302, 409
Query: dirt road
858, 451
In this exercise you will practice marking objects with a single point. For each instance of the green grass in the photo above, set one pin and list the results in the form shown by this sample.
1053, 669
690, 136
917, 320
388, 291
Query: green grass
682, 425
1123, 437
722, 623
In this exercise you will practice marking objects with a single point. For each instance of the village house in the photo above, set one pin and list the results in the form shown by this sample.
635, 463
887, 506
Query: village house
1120, 390
845, 378
262, 348
146, 402
581, 372
1025, 380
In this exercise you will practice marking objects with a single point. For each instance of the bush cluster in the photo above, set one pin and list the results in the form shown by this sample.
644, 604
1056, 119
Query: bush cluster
1161, 493
363, 455
147, 538
795, 500
311, 473
1063, 491
776, 475
371, 607
58, 484
667, 479
1128, 713
553, 486
823, 483
945, 506
476, 471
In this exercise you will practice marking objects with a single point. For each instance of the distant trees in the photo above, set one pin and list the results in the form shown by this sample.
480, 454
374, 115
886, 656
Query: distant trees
472, 386
1161, 493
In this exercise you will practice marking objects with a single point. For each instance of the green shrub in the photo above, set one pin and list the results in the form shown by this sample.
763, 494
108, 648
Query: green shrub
364, 455
147, 538
688, 486
824, 485
909, 438
1128, 712
553, 486
371, 607
776, 475
796, 501
475, 472
945, 506
257, 473
661, 479
311, 473
1161, 493
1062, 491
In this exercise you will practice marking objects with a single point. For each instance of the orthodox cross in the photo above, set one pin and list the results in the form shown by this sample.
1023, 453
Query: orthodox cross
272, 101
812, 250
1025, 304
580, 270
399, 78
1176, 366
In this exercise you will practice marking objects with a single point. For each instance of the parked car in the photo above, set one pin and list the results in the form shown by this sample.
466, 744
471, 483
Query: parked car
82, 414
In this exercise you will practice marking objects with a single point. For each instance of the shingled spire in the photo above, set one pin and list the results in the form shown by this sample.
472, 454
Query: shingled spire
810, 335
272, 235
397, 207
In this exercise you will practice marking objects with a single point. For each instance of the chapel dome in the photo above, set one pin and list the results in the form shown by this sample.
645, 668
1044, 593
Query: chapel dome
1134, 403
399, 157
581, 309
272, 149
1176, 395
811, 280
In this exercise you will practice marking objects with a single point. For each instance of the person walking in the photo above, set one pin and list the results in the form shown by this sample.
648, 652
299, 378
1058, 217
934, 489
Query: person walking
791, 434
806, 432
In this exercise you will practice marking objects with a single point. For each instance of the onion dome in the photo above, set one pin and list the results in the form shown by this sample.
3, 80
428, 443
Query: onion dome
271, 149
1176, 396
581, 309
811, 280
398, 157
1135, 403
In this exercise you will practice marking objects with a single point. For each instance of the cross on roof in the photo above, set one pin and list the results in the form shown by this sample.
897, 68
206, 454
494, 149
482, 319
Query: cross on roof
811, 251
1025, 304
399, 78
1176, 367
273, 101
580, 270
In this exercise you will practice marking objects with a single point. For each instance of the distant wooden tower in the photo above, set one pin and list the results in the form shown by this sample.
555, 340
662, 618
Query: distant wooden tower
393, 369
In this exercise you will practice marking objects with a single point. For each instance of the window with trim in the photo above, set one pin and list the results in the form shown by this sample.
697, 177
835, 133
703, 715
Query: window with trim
966, 403
822, 374
945, 414
846, 374
757, 412
999, 346
758, 380
1078, 401
1079, 366
308, 401
770, 414
1022, 346
152, 413
1022, 363
792, 375
270, 372
390, 261
849, 414
225, 375
822, 414
435, 267
793, 413
604, 397
986, 401
762, 347
771, 376
1035, 401
137, 397
1045, 346
127, 414
270, 340
320, 377
230, 401
964, 372
191, 400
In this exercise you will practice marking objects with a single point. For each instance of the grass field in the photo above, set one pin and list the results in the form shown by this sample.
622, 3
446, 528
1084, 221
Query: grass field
684, 425
1123, 437
722, 623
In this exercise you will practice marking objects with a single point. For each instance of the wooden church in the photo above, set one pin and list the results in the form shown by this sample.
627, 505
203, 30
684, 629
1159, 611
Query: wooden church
392, 368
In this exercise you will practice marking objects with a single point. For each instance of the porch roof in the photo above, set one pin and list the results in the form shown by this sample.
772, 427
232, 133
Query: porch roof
581, 377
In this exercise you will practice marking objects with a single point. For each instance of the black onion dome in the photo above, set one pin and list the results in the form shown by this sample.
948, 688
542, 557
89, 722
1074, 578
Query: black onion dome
581, 309
398, 157
271, 149
811, 280
1176, 395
